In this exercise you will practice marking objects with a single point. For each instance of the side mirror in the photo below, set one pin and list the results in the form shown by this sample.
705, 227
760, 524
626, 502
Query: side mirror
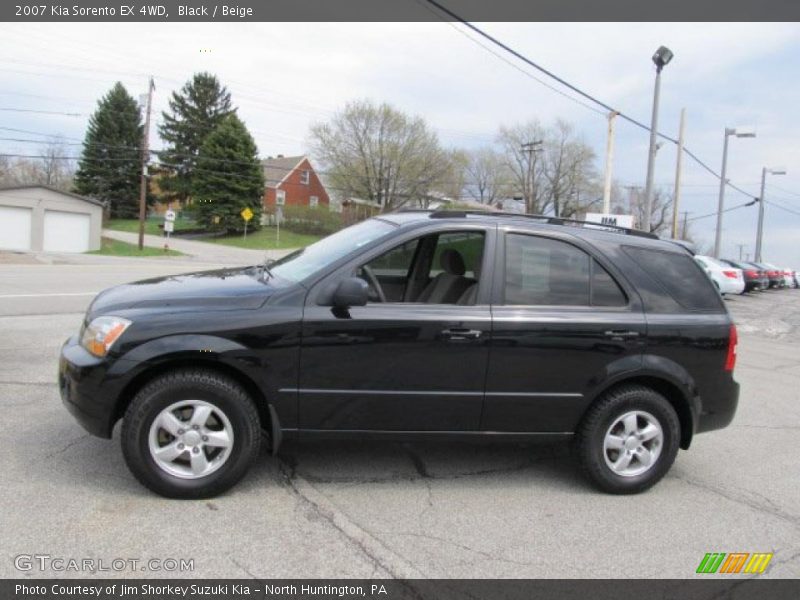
352, 291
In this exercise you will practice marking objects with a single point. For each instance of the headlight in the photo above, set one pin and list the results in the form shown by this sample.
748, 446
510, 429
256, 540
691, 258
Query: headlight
101, 334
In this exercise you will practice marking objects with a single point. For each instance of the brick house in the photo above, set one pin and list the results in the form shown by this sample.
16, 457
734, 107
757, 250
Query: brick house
292, 181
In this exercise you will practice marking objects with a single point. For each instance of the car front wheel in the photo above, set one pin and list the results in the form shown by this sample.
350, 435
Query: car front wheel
628, 440
190, 434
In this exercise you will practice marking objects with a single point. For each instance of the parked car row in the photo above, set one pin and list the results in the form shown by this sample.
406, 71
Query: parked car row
738, 277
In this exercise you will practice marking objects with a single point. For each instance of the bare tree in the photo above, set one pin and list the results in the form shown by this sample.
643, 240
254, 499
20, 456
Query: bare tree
635, 204
570, 179
53, 168
487, 176
377, 153
524, 164
56, 169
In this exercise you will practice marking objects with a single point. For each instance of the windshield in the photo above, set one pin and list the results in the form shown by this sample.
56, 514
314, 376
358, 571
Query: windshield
307, 261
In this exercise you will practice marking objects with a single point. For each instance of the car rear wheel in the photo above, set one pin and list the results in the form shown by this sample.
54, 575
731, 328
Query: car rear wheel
628, 440
190, 434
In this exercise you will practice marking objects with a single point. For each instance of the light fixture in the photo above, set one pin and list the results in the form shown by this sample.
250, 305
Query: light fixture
662, 57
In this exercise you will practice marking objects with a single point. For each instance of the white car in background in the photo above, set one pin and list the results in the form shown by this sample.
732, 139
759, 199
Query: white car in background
728, 279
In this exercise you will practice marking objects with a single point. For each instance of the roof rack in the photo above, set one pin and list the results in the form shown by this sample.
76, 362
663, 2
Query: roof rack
547, 219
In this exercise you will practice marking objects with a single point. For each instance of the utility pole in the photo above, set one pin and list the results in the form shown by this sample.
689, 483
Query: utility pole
678, 167
145, 160
531, 148
612, 118
685, 224
741, 248
761, 200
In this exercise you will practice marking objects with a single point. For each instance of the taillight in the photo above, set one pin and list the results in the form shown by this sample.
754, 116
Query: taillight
752, 274
733, 340
729, 274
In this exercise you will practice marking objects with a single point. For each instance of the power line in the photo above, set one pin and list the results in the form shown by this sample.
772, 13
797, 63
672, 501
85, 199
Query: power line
789, 210
42, 112
580, 92
714, 214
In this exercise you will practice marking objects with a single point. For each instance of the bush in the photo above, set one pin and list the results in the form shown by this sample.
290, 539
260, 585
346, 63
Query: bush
311, 221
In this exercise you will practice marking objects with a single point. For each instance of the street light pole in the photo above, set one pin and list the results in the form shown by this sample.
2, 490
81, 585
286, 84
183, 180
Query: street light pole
729, 131
761, 200
612, 116
661, 58
678, 168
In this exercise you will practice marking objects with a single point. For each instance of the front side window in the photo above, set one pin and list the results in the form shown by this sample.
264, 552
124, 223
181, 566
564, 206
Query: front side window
545, 272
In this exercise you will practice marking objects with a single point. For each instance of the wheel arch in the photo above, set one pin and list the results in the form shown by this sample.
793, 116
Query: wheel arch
665, 386
267, 415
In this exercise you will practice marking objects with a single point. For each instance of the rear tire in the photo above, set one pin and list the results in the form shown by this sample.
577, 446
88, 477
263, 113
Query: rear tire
628, 439
190, 434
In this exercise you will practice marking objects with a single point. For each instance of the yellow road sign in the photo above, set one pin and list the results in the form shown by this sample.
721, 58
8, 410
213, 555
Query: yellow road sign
247, 214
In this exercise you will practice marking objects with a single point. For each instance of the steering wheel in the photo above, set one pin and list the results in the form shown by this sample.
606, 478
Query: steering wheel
373, 281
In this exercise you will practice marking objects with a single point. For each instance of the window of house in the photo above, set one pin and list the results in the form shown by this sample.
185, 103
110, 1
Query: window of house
280, 197
304, 177
546, 272
313, 201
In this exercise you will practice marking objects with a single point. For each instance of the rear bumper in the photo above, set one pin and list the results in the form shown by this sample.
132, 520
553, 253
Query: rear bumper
717, 412
81, 379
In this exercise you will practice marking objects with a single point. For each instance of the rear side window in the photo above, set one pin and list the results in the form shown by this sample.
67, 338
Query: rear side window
545, 272
680, 277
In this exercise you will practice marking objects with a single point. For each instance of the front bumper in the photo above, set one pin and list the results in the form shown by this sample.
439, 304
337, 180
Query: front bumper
84, 389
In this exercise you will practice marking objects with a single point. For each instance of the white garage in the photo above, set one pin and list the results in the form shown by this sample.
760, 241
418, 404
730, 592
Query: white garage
39, 218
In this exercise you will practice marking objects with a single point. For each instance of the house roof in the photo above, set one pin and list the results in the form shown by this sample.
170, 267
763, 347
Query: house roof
7, 188
277, 169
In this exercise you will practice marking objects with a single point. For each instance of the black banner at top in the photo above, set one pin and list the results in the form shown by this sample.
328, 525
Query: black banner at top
397, 10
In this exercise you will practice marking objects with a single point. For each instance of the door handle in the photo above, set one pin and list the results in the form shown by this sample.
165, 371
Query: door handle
621, 334
462, 334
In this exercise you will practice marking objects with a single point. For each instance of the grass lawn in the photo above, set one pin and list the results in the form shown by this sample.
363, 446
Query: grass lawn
151, 226
264, 239
111, 247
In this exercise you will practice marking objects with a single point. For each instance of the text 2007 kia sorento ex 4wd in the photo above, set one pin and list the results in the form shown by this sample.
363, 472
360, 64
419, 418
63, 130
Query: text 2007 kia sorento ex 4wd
415, 324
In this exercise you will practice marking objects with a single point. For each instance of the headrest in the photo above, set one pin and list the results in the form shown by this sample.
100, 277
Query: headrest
452, 262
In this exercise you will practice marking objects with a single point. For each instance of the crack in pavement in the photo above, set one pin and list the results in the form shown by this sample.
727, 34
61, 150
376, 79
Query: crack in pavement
731, 495
243, 568
380, 555
69, 445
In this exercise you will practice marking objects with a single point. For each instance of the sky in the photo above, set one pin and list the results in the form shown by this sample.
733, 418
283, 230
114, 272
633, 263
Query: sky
285, 76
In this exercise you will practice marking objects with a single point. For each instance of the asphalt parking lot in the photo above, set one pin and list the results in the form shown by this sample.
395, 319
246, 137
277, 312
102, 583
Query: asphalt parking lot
390, 510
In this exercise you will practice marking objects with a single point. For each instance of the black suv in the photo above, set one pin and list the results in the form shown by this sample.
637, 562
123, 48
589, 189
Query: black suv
448, 325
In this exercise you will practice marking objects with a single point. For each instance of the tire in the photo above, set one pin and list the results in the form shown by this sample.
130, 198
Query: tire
211, 455
603, 427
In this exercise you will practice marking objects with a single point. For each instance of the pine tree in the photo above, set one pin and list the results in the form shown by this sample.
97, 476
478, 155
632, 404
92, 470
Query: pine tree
228, 177
110, 165
201, 105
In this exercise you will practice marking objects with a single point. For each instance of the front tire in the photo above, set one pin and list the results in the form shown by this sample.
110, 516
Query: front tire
628, 440
190, 434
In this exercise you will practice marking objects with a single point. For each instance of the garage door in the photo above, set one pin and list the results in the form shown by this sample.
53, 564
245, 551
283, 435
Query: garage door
66, 231
15, 228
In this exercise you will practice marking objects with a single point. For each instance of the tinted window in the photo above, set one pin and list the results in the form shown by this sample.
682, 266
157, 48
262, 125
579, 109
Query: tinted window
469, 244
395, 262
541, 271
605, 291
679, 275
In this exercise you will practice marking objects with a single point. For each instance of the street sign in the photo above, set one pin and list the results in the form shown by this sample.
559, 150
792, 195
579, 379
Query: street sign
278, 214
169, 216
246, 213
609, 219
169, 226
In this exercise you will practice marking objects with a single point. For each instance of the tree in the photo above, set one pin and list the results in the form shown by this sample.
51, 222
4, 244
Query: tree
487, 176
377, 153
200, 106
110, 165
228, 177
56, 169
571, 183
635, 204
525, 164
